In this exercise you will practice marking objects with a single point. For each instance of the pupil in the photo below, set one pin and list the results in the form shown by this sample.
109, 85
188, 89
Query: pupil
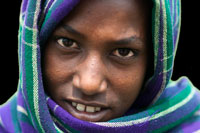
67, 42
124, 51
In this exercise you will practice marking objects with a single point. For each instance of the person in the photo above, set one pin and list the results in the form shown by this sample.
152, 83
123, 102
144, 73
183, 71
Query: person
100, 66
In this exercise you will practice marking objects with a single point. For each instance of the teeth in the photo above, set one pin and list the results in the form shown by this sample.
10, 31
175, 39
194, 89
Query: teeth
97, 109
89, 109
74, 104
80, 107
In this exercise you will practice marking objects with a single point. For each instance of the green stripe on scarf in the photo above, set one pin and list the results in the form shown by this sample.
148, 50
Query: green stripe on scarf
169, 48
155, 29
171, 125
180, 96
31, 61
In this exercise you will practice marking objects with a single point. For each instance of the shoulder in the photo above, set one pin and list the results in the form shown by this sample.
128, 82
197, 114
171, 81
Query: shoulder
8, 114
190, 125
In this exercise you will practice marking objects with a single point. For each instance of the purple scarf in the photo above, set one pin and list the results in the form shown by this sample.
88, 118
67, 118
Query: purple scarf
167, 105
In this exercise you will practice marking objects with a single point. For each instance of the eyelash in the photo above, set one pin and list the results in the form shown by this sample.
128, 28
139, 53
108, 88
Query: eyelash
72, 42
129, 53
124, 53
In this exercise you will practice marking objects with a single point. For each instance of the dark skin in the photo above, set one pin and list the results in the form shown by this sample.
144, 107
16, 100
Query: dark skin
97, 57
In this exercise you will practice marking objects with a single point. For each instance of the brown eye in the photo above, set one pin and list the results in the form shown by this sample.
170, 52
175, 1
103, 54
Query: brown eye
123, 52
65, 42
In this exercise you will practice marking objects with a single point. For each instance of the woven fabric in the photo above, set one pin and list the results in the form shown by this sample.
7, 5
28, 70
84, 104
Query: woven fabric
169, 105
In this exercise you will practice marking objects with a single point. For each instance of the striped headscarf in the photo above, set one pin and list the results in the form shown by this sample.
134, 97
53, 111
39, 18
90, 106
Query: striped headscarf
167, 105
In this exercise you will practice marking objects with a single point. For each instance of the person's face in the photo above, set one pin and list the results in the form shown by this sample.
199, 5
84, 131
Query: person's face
96, 59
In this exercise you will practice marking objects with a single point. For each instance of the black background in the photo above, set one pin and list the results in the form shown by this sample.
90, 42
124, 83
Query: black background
186, 63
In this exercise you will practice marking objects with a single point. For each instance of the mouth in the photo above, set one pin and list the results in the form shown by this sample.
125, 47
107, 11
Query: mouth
92, 112
85, 108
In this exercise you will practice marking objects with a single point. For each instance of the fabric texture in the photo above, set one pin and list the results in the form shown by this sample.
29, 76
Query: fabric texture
166, 105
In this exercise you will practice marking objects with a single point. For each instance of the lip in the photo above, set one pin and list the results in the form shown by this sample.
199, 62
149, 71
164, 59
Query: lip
92, 117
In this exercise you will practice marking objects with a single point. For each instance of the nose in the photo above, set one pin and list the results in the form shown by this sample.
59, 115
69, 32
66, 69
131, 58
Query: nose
90, 78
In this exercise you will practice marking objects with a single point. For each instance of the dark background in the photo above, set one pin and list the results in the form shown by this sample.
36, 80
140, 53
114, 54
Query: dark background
186, 63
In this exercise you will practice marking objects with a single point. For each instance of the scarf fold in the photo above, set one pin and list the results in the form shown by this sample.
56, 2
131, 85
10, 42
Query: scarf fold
179, 101
165, 104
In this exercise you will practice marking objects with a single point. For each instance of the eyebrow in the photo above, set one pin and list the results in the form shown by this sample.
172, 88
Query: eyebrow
72, 30
123, 41
127, 40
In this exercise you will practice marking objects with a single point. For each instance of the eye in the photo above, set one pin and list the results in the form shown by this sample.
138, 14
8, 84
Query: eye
65, 42
123, 53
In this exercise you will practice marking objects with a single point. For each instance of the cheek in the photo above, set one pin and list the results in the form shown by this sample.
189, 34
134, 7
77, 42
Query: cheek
53, 70
127, 85
56, 68
57, 73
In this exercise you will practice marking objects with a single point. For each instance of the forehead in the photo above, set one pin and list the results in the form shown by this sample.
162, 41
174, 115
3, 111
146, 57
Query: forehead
104, 9
106, 15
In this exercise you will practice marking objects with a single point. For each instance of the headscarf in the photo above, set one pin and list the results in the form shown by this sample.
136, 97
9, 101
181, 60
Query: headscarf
165, 105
